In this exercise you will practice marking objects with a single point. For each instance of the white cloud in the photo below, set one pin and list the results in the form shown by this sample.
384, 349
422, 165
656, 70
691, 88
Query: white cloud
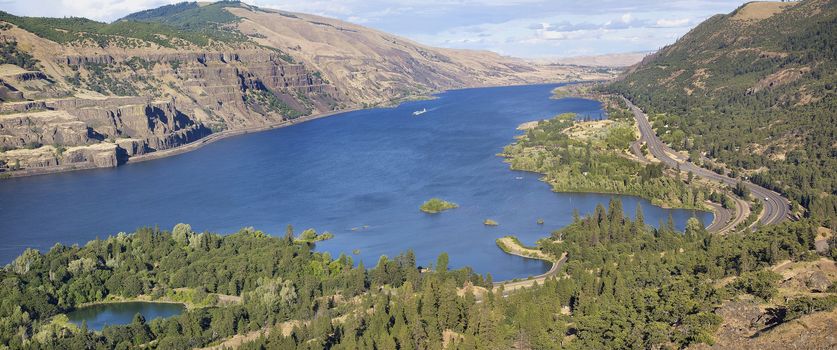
672, 23
101, 10
108, 9
341, 9
358, 20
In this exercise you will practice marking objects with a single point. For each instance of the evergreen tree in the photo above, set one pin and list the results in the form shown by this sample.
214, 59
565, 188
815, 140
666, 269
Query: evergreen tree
442, 262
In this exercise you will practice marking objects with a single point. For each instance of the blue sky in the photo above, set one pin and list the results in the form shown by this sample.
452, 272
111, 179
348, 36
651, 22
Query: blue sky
522, 28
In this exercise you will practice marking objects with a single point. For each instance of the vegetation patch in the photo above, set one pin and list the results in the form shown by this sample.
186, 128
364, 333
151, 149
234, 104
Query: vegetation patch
616, 264
436, 205
577, 156
512, 245
806, 305
10, 54
101, 79
266, 101
199, 28
311, 236
210, 20
571, 90
191, 297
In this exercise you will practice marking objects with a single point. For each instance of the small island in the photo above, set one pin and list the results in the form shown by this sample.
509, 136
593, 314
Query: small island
489, 222
436, 205
310, 236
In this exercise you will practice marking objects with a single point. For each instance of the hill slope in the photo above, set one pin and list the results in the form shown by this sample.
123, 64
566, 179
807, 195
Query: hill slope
165, 77
755, 90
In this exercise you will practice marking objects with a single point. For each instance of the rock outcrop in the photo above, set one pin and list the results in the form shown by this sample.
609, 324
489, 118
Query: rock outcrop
100, 155
83, 127
743, 329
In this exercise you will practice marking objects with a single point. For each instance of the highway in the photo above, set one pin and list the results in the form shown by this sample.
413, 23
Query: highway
727, 219
776, 208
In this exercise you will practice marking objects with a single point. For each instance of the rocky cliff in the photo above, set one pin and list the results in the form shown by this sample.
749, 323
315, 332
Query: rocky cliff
165, 77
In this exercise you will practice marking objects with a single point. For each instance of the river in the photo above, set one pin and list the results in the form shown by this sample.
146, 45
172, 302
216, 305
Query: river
369, 170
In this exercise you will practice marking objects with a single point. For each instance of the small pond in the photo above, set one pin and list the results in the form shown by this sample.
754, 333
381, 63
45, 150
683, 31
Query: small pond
100, 315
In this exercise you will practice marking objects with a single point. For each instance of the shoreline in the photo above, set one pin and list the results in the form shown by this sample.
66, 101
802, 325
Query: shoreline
517, 249
165, 299
188, 147
543, 178
197, 144
722, 219
712, 209
132, 300
211, 138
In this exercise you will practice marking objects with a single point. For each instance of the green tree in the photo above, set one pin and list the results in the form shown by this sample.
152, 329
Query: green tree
442, 262
181, 233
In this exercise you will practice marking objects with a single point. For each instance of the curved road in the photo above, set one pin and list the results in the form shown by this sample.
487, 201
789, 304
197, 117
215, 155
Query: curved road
512, 285
721, 221
776, 208
726, 219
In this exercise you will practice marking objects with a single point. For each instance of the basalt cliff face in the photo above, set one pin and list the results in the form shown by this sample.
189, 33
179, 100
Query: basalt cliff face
77, 93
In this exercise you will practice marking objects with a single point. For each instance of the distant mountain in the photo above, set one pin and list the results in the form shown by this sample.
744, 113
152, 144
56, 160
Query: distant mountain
612, 60
755, 90
80, 93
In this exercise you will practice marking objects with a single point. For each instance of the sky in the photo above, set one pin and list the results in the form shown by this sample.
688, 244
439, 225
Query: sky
521, 28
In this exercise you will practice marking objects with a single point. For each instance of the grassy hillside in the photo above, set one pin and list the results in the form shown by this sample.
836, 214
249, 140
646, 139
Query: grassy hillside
755, 90
161, 12
169, 26
208, 19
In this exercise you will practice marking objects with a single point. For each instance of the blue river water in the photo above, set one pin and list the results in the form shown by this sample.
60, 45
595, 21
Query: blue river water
368, 169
